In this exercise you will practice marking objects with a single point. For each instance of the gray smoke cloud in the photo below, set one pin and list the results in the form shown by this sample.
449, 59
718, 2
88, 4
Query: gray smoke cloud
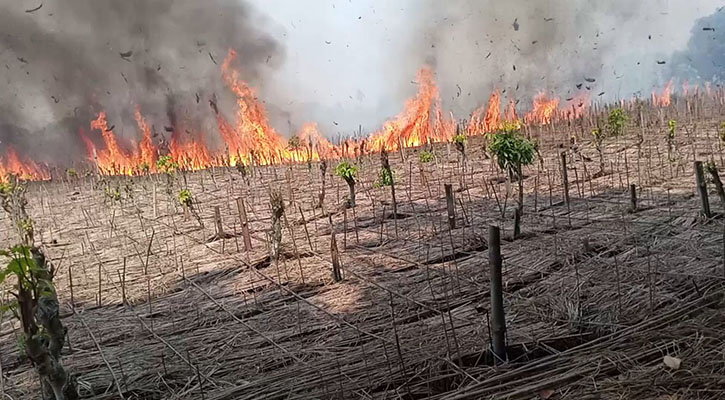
69, 59
704, 57
355, 62
340, 63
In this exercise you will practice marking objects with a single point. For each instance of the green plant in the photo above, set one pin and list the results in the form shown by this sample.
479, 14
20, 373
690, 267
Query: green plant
166, 164
112, 193
460, 139
185, 198
512, 152
348, 172
510, 126
144, 167
616, 121
671, 131
13, 201
294, 143
242, 169
71, 173
385, 178
425, 156
35, 305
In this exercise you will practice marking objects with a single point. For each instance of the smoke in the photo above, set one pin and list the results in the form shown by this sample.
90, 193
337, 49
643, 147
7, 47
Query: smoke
70, 59
339, 63
704, 57
353, 63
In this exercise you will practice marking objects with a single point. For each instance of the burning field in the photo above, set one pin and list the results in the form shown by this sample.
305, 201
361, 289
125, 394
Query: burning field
265, 284
537, 238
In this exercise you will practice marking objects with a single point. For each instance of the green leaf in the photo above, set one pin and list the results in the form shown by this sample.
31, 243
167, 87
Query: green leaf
9, 306
16, 267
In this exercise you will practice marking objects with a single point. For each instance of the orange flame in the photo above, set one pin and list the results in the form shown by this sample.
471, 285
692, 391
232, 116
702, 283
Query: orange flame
543, 111
664, 98
413, 126
491, 120
23, 169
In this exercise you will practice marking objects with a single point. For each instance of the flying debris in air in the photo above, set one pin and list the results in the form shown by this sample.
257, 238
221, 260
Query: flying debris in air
601, 94
514, 67
590, 80
110, 128
516, 24
22, 60
212, 58
707, 28
328, 42
661, 62
125, 55
579, 85
548, 19
35, 9
168, 129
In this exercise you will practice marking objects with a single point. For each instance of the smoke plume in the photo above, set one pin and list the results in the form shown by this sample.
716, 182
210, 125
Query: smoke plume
67, 60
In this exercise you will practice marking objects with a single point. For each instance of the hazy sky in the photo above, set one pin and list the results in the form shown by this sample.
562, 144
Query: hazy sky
352, 61
340, 63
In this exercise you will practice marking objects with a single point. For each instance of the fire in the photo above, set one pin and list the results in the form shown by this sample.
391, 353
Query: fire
413, 126
23, 169
249, 138
252, 139
510, 114
543, 111
577, 106
114, 159
491, 120
663, 99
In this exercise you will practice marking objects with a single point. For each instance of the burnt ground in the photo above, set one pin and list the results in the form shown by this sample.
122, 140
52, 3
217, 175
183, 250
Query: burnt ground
595, 294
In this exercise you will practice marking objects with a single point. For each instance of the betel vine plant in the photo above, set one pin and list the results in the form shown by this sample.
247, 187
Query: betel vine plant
348, 172
167, 166
513, 152
186, 200
35, 303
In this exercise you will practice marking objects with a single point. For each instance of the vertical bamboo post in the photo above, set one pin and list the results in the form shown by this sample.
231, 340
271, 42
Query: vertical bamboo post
451, 206
702, 190
336, 272
498, 319
565, 180
245, 224
218, 223
633, 197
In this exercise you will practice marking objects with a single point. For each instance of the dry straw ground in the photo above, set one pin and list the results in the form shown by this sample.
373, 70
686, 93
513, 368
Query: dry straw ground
595, 295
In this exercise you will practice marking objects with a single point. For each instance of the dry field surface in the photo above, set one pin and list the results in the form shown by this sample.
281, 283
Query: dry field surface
595, 294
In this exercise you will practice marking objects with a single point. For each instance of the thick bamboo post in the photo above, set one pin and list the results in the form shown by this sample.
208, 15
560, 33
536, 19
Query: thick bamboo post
245, 224
451, 206
702, 190
498, 319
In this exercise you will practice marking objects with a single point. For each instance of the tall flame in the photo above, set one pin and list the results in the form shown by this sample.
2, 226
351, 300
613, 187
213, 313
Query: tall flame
544, 108
23, 169
250, 139
413, 126
664, 98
